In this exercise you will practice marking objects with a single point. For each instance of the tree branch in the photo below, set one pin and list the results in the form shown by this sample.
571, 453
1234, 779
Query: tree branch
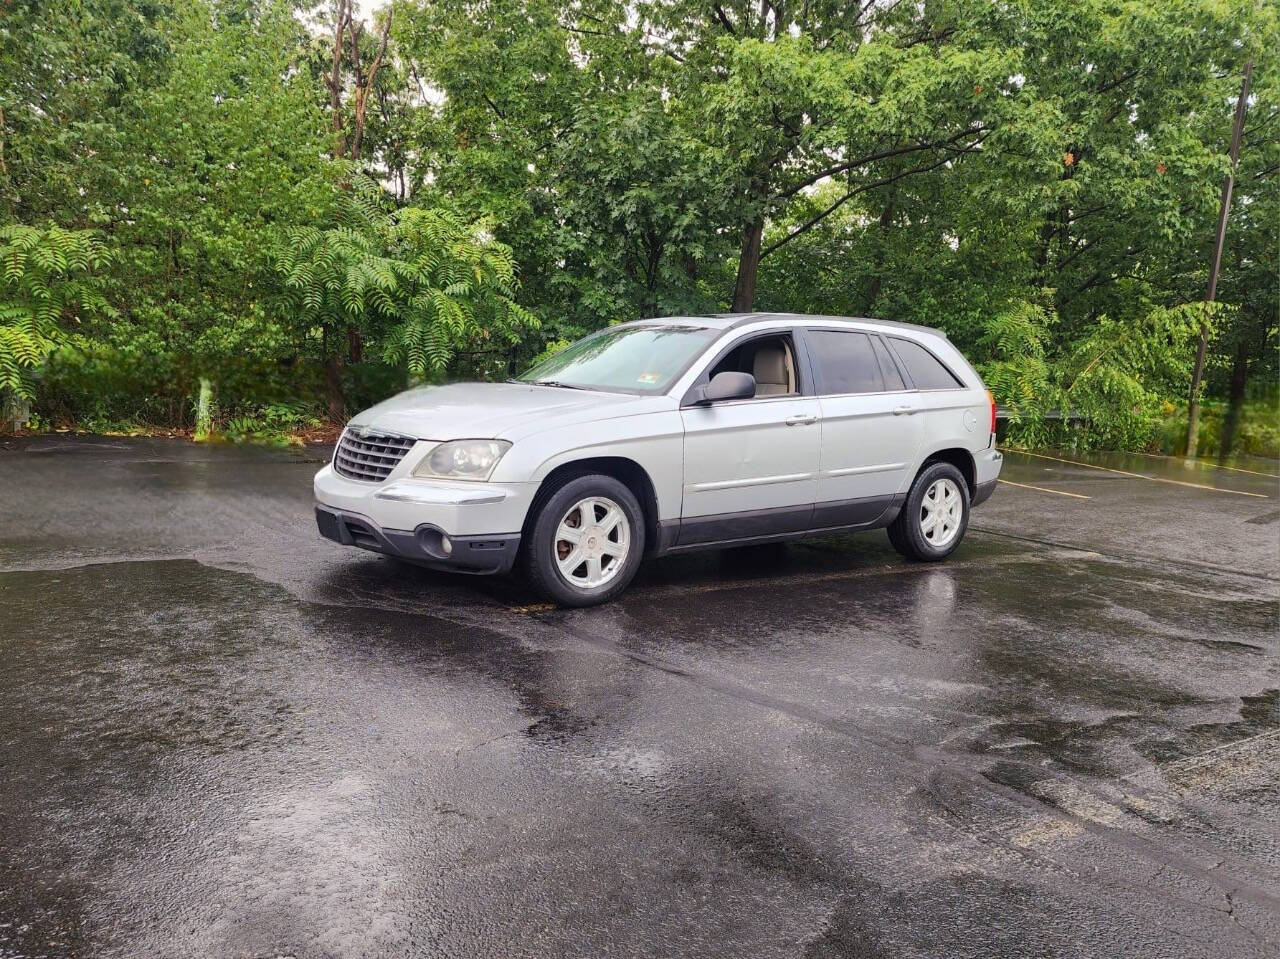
822, 215
873, 157
334, 80
365, 84
493, 106
1066, 261
1117, 82
720, 15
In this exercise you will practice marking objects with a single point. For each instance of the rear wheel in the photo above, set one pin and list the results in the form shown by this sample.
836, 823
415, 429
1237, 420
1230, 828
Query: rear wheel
935, 516
586, 541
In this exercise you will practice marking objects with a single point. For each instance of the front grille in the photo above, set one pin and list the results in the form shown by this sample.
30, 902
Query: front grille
370, 456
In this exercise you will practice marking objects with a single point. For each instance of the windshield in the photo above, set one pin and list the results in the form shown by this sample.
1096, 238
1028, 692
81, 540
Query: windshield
637, 359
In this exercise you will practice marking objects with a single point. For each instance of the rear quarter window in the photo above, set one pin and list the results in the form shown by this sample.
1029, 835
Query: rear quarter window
892, 378
925, 369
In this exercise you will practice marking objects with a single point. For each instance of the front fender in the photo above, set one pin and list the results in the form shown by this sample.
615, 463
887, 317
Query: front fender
653, 441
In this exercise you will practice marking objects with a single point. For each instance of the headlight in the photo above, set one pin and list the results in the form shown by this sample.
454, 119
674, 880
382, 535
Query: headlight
463, 459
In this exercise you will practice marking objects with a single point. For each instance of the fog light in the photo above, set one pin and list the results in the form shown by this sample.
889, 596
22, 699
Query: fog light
446, 544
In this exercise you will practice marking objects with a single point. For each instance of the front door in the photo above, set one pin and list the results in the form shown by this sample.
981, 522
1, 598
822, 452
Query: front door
751, 466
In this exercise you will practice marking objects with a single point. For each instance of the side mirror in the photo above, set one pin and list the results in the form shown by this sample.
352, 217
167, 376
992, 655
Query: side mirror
729, 386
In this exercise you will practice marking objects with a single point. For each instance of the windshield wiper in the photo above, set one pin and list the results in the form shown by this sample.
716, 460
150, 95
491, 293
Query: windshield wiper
563, 386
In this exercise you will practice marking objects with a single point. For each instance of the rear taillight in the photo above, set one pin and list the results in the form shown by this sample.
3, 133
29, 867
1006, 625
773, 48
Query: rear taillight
993, 412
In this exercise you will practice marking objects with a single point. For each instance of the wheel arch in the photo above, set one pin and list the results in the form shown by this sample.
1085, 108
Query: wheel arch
624, 469
960, 458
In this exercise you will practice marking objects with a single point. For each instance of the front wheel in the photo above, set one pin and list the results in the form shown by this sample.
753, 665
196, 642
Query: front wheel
586, 541
934, 517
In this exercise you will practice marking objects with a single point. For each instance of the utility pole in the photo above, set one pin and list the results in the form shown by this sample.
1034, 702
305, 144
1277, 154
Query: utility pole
1193, 405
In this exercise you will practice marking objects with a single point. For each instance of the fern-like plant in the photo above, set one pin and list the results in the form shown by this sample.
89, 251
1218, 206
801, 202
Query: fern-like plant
48, 279
1110, 381
1117, 375
420, 282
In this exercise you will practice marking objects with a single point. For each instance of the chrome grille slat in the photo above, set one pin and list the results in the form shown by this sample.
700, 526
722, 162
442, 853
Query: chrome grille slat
373, 458
370, 457
370, 444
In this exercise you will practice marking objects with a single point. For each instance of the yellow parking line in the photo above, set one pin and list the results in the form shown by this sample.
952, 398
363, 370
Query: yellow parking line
1209, 466
1154, 479
1237, 469
1041, 489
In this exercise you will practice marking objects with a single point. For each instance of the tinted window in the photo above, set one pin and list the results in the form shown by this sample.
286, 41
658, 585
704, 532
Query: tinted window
925, 370
892, 378
845, 361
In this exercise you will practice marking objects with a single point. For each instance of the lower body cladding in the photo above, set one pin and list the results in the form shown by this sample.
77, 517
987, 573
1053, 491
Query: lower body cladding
777, 525
812, 519
426, 545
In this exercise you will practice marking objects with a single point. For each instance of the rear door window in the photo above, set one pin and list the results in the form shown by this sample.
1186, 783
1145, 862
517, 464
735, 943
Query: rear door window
925, 369
846, 362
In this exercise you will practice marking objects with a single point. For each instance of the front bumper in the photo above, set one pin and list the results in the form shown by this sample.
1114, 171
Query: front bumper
411, 518
425, 545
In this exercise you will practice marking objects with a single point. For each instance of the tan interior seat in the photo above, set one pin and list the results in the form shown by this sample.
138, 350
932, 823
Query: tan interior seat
773, 370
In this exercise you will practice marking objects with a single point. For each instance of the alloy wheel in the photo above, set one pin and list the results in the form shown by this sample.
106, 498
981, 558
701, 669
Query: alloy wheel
941, 511
591, 542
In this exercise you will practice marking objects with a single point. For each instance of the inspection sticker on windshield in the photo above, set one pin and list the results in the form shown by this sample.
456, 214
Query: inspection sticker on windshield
648, 377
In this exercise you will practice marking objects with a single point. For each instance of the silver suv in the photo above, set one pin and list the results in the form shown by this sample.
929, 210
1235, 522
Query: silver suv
669, 435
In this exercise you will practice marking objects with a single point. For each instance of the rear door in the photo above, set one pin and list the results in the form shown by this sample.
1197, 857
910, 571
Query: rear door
751, 466
871, 430
948, 409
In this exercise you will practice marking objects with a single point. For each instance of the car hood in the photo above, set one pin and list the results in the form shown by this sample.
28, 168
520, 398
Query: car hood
495, 410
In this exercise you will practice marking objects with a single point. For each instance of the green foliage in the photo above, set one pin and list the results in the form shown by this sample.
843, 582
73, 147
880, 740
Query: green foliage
1012, 358
1112, 380
273, 423
204, 411
1117, 375
1258, 433
551, 349
48, 283
1038, 179
425, 283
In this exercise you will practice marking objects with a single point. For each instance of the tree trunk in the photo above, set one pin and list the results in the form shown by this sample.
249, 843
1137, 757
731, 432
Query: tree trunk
204, 412
333, 81
877, 276
1239, 379
744, 291
1224, 211
364, 83
333, 366
653, 261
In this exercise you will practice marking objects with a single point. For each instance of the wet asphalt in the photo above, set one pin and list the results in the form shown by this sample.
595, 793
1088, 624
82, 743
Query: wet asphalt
223, 736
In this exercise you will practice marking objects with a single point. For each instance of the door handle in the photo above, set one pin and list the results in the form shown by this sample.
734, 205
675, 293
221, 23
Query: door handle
801, 419
899, 410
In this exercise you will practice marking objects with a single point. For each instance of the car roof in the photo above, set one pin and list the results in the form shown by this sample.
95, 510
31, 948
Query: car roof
727, 321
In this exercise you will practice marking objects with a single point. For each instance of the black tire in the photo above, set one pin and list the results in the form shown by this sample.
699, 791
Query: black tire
906, 532
539, 547
895, 537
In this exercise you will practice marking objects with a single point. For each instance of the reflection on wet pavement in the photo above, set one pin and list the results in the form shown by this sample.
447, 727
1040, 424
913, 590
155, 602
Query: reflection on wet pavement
223, 736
